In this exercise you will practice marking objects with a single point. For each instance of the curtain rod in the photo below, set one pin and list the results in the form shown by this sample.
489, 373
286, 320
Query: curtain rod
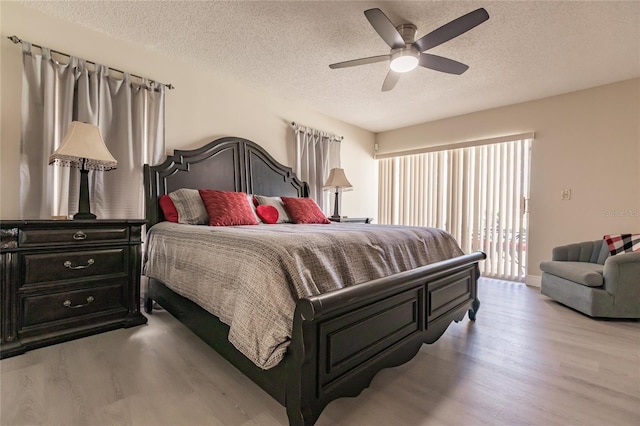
339, 138
17, 40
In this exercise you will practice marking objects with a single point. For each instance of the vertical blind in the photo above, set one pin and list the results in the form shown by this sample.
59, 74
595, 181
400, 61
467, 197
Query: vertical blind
477, 193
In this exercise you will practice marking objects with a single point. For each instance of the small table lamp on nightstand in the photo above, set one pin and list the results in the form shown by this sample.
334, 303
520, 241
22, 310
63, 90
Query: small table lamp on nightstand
337, 180
83, 148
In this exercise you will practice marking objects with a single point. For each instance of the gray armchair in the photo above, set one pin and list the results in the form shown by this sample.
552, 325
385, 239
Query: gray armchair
586, 278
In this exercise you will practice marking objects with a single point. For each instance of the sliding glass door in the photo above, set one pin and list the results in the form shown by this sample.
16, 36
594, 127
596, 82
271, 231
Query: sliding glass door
477, 193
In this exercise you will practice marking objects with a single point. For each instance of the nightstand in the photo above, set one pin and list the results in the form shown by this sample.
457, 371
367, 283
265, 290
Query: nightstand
60, 280
351, 219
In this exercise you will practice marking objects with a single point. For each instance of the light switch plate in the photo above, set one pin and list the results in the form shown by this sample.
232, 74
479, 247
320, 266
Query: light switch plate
566, 194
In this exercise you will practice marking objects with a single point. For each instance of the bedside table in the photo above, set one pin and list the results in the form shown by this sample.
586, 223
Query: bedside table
64, 279
351, 219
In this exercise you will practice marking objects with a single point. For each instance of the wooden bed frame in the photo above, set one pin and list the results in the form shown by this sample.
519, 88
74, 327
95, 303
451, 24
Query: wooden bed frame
340, 339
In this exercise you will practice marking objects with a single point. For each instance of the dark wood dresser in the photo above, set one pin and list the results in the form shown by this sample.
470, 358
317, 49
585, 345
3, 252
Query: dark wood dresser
60, 280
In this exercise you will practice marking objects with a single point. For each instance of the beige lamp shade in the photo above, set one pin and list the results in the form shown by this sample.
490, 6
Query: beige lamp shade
83, 144
337, 179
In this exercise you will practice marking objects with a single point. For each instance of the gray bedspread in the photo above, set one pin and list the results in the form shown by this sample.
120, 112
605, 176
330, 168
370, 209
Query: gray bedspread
251, 276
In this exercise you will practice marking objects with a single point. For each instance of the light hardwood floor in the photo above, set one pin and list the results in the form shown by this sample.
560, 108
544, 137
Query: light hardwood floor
525, 361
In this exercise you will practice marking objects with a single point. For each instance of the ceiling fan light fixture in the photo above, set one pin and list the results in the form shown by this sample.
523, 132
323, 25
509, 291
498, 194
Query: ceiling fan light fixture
407, 53
404, 60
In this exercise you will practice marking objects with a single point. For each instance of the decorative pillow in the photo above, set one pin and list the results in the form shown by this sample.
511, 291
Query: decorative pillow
168, 209
623, 243
252, 203
191, 209
268, 214
227, 208
304, 210
276, 202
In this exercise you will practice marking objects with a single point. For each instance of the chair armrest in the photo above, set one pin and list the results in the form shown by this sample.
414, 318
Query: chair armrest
622, 274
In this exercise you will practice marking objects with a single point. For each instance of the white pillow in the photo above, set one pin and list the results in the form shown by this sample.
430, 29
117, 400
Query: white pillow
253, 207
283, 216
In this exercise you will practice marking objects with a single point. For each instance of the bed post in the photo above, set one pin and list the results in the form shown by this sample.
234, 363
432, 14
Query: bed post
475, 304
301, 370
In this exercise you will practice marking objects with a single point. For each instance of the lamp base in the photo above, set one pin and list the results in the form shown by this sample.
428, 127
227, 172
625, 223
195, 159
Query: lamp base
84, 216
84, 208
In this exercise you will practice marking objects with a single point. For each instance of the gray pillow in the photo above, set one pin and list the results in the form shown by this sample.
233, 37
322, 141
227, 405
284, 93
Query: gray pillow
191, 209
283, 216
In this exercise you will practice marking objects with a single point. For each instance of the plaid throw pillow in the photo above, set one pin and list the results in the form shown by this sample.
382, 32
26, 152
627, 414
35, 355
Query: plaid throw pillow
623, 243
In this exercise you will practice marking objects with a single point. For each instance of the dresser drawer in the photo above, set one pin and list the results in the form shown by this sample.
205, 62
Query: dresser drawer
44, 237
50, 307
47, 267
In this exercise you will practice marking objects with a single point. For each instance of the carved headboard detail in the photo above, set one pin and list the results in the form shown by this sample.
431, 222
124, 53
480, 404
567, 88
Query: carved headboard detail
226, 164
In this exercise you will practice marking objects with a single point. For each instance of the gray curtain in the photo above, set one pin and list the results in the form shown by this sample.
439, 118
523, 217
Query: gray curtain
317, 152
47, 107
131, 120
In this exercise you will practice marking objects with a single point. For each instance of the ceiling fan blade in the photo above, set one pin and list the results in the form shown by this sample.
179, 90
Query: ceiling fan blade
390, 80
385, 28
439, 63
361, 61
452, 29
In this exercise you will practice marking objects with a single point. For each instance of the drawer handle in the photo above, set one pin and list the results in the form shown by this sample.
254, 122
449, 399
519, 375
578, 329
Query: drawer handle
67, 264
79, 236
67, 303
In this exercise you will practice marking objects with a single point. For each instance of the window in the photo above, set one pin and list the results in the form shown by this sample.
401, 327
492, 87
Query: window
477, 192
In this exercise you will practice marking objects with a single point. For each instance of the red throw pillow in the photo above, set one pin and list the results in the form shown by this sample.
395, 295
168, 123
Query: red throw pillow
304, 210
268, 214
227, 208
168, 209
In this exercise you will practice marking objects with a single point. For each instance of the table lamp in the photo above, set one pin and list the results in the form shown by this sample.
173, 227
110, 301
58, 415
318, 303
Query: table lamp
337, 180
83, 148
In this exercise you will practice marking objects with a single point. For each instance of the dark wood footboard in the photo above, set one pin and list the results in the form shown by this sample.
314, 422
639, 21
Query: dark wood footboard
341, 339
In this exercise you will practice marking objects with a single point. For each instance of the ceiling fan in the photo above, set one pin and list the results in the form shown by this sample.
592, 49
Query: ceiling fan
406, 54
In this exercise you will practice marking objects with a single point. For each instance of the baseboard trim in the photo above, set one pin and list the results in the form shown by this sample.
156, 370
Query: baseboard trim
533, 280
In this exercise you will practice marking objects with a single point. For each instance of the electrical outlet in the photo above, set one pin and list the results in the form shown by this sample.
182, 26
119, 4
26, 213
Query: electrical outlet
566, 194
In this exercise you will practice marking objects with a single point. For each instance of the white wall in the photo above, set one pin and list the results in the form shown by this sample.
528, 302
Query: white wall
586, 141
203, 106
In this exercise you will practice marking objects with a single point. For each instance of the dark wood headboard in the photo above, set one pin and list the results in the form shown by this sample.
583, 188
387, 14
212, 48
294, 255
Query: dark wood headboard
226, 164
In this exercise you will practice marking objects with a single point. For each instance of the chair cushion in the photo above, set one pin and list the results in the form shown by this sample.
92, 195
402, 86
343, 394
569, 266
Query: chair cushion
585, 273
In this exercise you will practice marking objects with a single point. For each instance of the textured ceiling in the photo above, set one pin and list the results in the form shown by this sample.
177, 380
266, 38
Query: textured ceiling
526, 50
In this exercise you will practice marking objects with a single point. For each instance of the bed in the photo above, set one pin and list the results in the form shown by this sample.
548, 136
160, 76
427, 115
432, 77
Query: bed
339, 339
